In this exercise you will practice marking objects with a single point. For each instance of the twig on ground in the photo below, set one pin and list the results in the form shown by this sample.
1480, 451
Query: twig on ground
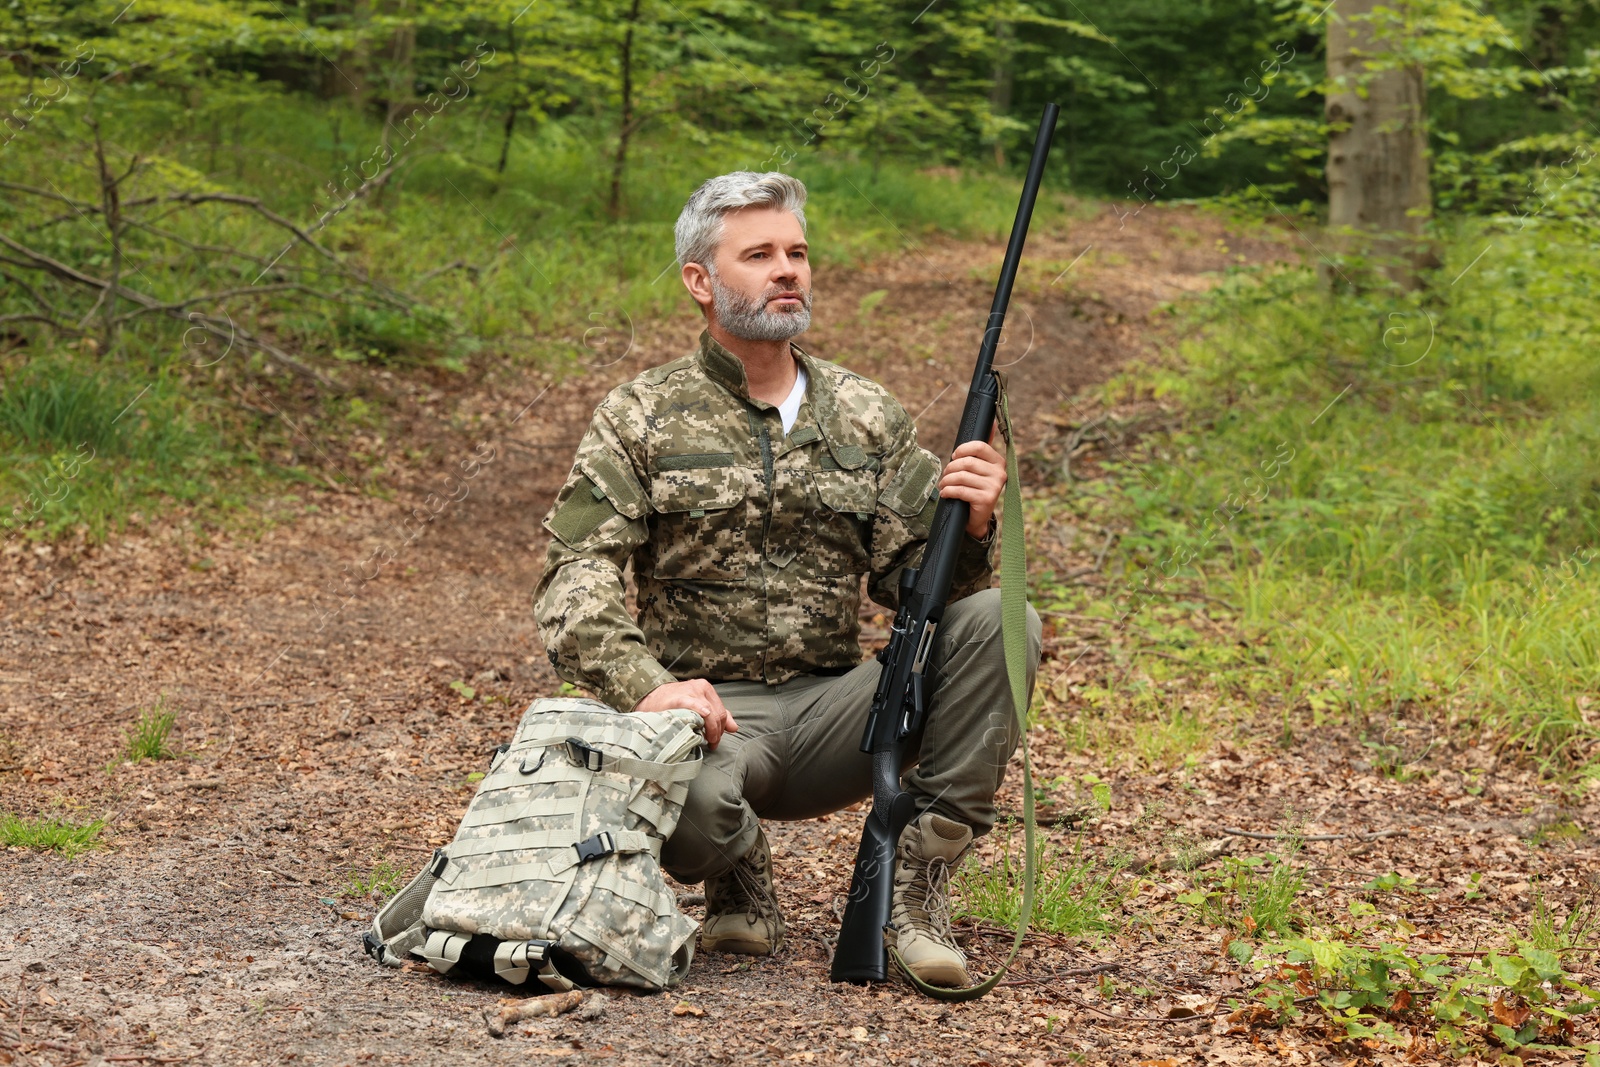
1076, 439
1075, 972
1100, 556
516, 1011
279, 703
138, 1058
1187, 859
1311, 837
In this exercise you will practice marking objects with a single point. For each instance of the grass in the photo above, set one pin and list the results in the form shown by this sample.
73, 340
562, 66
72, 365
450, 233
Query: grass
1073, 894
50, 834
1374, 509
87, 446
385, 878
151, 737
1251, 895
1577, 928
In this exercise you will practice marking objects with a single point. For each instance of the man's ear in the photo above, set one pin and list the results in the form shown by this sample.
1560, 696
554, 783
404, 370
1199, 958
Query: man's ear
697, 280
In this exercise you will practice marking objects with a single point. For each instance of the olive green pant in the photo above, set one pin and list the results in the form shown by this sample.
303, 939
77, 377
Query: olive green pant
798, 755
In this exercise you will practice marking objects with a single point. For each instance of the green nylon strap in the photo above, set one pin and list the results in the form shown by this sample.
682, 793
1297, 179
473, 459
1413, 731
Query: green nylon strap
1014, 639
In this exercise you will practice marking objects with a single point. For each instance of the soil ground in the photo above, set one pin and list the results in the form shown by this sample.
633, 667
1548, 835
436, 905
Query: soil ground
321, 737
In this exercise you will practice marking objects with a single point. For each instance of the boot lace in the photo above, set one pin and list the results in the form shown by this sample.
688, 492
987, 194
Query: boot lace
747, 892
932, 884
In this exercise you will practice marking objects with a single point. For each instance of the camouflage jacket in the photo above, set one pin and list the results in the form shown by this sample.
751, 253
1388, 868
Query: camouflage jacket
748, 546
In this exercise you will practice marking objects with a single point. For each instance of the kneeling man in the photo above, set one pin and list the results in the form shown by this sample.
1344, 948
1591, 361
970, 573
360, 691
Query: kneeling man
752, 485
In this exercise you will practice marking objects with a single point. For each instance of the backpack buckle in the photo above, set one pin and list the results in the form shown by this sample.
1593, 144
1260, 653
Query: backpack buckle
601, 844
584, 755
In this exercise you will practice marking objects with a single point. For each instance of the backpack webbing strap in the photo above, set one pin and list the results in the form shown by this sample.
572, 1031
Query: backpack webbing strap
600, 762
596, 760
591, 848
1014, 639
621, 841
514, 962
442, 949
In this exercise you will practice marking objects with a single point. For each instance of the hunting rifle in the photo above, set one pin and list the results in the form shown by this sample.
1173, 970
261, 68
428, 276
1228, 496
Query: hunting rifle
900, 704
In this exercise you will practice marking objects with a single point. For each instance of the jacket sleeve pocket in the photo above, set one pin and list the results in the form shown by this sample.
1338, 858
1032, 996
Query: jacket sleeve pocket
600, 491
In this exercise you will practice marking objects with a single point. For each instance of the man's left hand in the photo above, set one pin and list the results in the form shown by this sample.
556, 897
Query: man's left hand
976, 474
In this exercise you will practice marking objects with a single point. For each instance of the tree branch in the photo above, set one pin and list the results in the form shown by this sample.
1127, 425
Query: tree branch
222, 328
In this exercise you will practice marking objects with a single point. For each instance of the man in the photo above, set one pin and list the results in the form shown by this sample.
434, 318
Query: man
751, 486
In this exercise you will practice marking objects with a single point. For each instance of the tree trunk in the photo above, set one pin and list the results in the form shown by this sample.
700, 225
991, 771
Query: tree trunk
1549, 43
1000, 89
1378, 197
614, 205
348, 76
111, 212
399, 75
511, 108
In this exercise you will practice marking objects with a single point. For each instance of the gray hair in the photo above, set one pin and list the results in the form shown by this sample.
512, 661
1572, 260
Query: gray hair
699, 228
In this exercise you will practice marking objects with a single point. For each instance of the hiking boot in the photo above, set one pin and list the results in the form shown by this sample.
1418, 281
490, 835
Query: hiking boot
742, 907
919, 921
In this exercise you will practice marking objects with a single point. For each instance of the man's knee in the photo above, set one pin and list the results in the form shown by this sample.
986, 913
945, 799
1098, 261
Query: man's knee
980, 616
714, 830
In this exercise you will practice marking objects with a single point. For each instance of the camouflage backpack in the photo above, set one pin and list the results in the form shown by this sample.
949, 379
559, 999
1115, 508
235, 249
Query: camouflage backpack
555, 869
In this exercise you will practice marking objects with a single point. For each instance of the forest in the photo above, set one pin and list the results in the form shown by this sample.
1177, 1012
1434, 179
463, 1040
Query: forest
1302, 361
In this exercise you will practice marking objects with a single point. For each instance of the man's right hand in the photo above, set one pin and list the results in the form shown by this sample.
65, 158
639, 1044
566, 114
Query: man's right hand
698, 696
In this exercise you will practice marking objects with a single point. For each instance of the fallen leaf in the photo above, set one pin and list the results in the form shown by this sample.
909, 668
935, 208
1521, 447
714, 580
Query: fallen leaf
1190, 1007
683, 1007
1511, 1016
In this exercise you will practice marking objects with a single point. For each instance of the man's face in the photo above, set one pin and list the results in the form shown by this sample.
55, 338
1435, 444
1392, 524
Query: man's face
761, 289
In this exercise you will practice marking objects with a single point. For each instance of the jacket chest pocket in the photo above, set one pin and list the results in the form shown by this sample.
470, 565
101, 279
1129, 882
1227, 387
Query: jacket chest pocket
840, 526
701, 524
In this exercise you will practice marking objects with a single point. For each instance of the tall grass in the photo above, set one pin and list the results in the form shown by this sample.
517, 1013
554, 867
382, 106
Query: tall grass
1073, 894
1398, 493
88, 443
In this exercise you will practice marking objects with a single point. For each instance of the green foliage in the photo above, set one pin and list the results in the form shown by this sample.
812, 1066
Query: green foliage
87, 445
384, 880
1251, 895
151, 737
50, 834
1073, 894
1392, 882
1393, 492
1513, 1000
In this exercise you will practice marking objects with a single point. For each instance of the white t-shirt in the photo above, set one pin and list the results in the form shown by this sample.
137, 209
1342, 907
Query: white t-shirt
790, 408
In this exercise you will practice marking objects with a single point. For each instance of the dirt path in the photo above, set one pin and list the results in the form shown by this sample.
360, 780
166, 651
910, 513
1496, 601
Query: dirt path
322, 736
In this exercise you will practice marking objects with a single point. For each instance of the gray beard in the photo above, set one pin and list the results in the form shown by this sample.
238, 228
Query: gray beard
750, 319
